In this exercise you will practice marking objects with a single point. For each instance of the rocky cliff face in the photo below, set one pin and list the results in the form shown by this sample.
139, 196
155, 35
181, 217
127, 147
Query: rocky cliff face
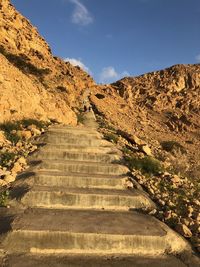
33, 83
158, 106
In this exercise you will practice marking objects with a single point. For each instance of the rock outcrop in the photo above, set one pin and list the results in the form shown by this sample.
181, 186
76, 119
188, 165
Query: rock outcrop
33, 83
157, 106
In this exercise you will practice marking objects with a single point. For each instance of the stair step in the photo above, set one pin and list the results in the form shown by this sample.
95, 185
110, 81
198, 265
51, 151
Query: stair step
82, 231
83, 167
79, 180
31, 260
81, 198
73, 130
79, 148
73, 140
79, 156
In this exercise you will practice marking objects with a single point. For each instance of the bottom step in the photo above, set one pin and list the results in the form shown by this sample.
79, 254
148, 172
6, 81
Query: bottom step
78, 231
91, 261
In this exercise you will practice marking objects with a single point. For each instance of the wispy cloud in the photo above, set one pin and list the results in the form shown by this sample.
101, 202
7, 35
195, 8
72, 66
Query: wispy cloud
81, 15
198, 58
109, 74
77, 62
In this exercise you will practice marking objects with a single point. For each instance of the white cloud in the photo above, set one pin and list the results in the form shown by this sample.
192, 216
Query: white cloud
109, 74
77, 62
81, 15
198, 58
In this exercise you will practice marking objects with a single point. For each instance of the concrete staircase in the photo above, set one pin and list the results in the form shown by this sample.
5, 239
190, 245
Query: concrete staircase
73, 209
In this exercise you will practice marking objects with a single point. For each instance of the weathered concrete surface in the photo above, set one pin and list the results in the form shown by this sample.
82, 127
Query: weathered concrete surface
73, 200
85, 198
78, 180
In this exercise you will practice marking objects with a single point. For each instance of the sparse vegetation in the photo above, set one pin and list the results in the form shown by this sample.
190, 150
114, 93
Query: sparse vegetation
171, 146
4, 196
39, 124
111, 137
147, 165
80, 117
179, 163
10, 129
6, 158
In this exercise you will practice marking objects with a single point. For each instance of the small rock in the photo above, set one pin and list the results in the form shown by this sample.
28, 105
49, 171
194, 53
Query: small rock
26, 134
152, 212
16, 168
190, 211
3, 182
36, 131
146, 149
10, 178
183, 230
22, 161
4, 172
161, 202
185, 221
176, 179
31, 127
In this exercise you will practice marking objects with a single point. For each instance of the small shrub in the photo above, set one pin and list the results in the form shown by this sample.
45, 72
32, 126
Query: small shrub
179, 163
80, 117
6, 158
170, 146
111, 137
37, 123
13, 137
148, 165
4, 196
9, 128
125, 150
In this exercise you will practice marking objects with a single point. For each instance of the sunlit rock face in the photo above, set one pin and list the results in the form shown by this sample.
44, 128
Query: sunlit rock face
33, 83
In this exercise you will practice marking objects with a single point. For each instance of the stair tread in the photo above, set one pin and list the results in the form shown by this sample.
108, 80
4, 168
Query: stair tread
79, 174
89, 191
88, 221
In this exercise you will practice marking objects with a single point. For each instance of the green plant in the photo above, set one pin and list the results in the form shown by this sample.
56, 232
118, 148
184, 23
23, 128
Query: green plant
37, 123
10, 126
170, 146
148, 165
6, 158
4, 196
10, 129
111, 137
80, 117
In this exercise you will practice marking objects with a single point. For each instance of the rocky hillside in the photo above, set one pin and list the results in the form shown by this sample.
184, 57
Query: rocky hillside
33, 83
158, 107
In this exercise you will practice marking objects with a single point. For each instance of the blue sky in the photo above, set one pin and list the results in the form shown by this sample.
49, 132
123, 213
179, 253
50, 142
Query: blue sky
116, 38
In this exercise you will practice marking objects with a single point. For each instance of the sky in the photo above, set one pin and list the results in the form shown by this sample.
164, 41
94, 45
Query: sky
111, 39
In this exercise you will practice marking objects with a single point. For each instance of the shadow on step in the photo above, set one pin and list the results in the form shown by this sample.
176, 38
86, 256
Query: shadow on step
92, 261
18, 192
5, 220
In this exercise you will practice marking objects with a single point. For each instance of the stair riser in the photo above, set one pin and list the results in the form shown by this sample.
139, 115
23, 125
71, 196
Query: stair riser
78, 148
79, 182
75, 141
65, 242
86, 201
75, 168
77, 134
76, 156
